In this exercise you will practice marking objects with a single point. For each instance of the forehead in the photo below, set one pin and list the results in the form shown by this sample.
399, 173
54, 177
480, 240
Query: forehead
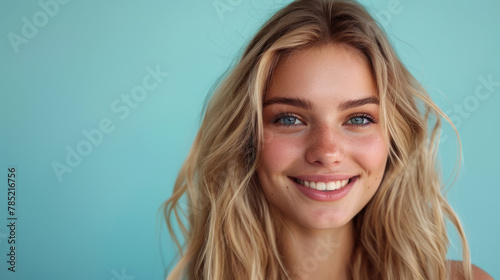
347, 51
336, 70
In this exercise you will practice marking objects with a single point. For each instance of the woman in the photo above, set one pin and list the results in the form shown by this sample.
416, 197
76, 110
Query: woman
316, 160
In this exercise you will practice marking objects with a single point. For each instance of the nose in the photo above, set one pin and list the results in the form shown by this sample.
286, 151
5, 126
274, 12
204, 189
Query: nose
325, 147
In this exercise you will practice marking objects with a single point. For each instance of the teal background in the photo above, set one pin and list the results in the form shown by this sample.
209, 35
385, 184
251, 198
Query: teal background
101, 220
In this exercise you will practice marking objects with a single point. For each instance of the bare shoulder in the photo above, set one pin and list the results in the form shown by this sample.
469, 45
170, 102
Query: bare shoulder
477, 273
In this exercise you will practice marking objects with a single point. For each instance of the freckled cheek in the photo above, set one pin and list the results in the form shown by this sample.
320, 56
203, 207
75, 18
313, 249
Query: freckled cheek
370, 152
279, 151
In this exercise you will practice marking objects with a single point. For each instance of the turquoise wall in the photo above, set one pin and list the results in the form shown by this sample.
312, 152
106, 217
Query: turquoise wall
100, 101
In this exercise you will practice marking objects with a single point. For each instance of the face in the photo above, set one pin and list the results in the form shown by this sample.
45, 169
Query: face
324, 153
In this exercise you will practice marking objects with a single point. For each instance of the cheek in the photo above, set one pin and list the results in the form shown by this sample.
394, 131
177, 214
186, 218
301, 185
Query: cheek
278, 154
278, 151
370, 152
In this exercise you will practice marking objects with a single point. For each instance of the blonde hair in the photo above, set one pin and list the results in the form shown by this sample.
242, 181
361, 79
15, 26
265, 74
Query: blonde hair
231, 229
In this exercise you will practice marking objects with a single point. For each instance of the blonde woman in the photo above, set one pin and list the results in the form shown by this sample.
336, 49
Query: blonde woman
316, 160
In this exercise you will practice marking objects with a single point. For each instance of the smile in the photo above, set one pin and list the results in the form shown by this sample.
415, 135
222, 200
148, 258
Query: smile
323, 186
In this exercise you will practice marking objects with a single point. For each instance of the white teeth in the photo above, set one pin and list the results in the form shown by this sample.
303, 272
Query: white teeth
312, 185
324, 186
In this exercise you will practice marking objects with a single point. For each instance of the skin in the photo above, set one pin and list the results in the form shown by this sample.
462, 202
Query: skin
320, 139
477, 273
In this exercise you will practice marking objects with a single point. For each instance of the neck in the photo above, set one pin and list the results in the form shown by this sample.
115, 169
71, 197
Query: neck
317, 254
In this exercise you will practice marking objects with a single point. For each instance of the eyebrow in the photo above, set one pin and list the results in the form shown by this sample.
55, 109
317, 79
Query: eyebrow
357, 103
297, 102
304, 104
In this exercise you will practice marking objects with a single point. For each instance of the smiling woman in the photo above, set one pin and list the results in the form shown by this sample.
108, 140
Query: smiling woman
326, 155
316, 160
325, 142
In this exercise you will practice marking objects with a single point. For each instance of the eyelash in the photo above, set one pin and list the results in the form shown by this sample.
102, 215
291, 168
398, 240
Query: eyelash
370, 118
367, 116
281, 116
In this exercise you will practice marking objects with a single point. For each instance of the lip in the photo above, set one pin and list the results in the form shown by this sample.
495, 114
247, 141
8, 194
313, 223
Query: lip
321, 195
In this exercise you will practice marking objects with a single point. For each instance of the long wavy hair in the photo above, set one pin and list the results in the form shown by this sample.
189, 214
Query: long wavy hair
228, 226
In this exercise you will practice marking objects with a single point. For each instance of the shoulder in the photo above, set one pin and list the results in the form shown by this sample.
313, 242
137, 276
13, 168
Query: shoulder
477, 273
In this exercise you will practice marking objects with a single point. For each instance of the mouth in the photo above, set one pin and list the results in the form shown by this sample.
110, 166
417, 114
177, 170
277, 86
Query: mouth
323, 186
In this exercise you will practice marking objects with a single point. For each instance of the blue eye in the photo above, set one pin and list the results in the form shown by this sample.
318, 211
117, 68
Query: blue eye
357, 120
361, 120
287, 120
